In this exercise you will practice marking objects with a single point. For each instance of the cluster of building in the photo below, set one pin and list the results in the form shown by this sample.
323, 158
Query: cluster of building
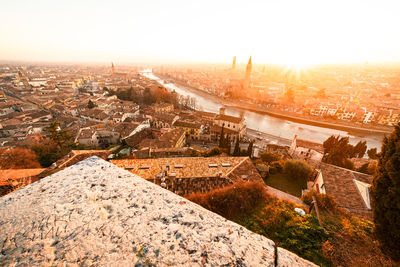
365, 95
84, 102
161, 140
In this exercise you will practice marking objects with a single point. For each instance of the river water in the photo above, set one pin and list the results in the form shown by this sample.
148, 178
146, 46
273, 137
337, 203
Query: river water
265, 123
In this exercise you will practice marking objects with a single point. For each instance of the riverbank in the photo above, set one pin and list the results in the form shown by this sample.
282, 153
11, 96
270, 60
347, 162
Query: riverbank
353, 130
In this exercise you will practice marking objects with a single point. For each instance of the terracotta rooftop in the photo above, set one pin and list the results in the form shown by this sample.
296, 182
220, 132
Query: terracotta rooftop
125, 128
165, 140
187, 124
340, 183
229, 118
231, 167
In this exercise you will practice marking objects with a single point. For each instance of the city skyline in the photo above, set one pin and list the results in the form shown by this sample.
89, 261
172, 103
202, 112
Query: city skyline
288, 32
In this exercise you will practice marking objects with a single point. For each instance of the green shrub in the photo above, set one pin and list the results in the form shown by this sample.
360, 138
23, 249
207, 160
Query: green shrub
297, 169
325, 202
301, 234
213, 152
269, 157
232, 201
276, 167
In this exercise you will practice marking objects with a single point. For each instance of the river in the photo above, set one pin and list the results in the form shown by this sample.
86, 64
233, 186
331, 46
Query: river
264, 123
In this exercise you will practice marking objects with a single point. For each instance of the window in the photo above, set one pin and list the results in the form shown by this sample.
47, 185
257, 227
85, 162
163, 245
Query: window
226, 164
212, 165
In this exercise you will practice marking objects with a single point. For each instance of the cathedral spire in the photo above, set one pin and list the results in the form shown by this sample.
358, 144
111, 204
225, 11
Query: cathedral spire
234, 63
246, 83
112, 67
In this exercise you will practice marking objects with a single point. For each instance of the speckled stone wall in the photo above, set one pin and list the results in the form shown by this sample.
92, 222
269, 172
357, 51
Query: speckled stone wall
96, 213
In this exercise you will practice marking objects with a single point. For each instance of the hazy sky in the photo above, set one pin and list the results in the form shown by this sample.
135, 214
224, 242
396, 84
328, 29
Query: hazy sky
284, 31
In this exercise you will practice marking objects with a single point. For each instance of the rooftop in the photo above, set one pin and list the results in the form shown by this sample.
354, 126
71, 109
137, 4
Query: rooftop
342, 184
231, 167
229, 118
94, 213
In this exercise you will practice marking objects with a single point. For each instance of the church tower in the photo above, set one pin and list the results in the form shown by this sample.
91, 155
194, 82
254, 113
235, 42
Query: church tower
112, 68
246, 83
234, 63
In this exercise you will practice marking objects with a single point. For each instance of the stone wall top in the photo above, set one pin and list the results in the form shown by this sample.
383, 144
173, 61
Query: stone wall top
96, 213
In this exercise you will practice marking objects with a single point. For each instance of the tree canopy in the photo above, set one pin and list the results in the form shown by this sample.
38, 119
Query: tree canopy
385, 195
18, 158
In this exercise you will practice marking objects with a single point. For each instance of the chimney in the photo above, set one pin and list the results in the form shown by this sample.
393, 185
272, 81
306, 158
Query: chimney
222, 111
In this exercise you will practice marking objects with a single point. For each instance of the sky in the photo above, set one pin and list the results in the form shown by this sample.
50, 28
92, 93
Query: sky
296, 32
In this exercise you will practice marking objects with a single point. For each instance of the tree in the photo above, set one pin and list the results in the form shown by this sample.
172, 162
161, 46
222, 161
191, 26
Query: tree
330, 143
18, 158
385, 195
364, 168
91, 104
47, 152
236, 151
60, 137
297, 169
250, 149
360, 148
57, 144
222, 138
372, 153
337, 150
269, 157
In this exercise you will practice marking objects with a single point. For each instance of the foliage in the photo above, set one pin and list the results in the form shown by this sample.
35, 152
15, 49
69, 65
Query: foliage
236, 151
223, 141
47, 153
337, 150
276, 167
18, 158
297, 169
278, 221
385, 195
58, 143
325, 202
283, 182
155, 94
360, 148
345, 240
250, 149
363, 168
60, 137
372, 153
269, 157
232, 201
213, 152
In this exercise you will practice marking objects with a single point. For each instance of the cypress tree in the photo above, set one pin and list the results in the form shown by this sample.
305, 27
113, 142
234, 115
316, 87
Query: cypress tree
385, 195
250, 149
221, 138
236, 151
